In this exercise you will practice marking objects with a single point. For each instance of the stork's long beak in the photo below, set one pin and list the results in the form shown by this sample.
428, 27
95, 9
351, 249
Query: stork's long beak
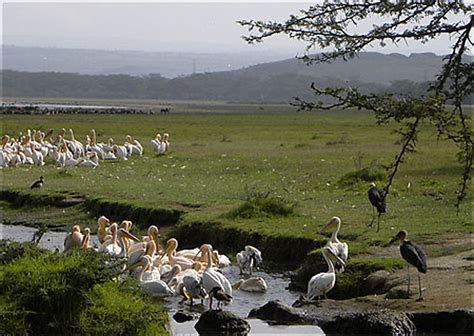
393, 240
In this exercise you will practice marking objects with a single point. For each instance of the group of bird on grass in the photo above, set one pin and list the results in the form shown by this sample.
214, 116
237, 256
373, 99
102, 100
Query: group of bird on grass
336, 253
193, 274
65, 150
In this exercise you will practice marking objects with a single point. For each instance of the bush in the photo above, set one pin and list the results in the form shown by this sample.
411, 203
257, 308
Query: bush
11, 251
44, 293
263, 205
367, 174
115, 310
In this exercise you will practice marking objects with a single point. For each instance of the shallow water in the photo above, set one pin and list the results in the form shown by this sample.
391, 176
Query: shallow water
242, 304
51, 240
257, 327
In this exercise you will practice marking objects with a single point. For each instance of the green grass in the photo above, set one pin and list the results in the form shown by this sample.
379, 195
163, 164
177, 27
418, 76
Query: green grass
286, 154
51, 293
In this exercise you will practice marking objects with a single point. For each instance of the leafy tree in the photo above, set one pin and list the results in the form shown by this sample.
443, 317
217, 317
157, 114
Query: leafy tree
334, 24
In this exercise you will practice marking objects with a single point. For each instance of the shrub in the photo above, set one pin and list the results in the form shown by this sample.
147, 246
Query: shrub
51, 286
115, 310
11, 251
263, 205
367, 174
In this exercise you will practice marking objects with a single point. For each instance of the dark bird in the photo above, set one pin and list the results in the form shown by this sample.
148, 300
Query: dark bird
377, 199
413, 255
38, 184
218, 294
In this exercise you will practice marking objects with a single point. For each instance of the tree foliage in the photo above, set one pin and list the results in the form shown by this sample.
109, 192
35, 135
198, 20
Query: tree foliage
336, 25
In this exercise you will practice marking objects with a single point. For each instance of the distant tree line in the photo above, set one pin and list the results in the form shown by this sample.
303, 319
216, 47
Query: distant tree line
224, 86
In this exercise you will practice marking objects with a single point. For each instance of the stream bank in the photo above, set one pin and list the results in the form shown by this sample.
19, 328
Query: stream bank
446, 285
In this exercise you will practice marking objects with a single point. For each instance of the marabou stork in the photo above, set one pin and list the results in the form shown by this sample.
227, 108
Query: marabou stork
377, 199
413, 255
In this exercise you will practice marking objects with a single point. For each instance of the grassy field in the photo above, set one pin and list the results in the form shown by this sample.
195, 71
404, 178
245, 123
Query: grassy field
217, 160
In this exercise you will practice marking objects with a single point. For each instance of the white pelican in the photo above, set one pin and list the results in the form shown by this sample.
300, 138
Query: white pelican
120, 151
102, 231
221, 259
134, 146
156, 143
248, 258
73, 239
165, 143
255, 284
337, 247
154, 234
136, 254
212, 278
170, 251
321, 283
116, 245
86, 239
152, 287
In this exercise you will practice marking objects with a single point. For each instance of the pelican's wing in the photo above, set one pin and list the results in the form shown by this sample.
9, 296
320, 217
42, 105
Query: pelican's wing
343, 251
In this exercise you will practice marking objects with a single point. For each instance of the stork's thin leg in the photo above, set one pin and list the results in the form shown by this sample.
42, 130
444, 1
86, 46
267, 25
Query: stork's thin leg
325, 296
419, 288
378, 222
408, 269
373, 217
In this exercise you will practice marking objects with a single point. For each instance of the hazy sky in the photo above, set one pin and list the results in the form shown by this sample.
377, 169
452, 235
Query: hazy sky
199, 27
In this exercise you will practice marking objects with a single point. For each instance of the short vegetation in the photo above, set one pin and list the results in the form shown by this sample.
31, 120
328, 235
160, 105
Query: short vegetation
263, 204
367, 174
46, 293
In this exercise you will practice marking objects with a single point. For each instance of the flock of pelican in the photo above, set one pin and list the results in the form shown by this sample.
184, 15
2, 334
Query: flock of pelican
66, 151
193, 274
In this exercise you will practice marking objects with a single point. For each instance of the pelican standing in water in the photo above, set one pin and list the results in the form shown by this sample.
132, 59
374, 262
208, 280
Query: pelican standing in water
337, 247
248, 258
152, 287
116, 245
413, 255
322, 283
212, 278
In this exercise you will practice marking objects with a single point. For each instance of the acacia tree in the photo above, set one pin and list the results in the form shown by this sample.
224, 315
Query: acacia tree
334, 24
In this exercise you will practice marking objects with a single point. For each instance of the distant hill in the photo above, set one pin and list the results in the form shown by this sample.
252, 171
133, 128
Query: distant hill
369, 67
108, 62
270, 82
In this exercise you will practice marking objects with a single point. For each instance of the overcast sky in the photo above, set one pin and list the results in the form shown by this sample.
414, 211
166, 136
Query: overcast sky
197, 27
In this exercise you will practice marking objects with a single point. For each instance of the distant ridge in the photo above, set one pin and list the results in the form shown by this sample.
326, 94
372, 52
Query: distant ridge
366, 67
269, 82
108, 62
